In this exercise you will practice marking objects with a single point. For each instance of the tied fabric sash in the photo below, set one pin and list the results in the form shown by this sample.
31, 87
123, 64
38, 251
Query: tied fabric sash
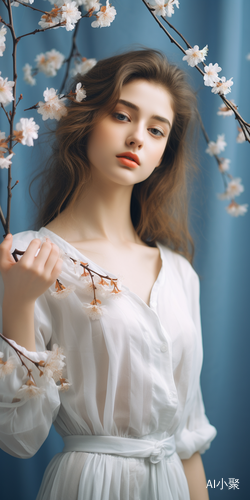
155, 450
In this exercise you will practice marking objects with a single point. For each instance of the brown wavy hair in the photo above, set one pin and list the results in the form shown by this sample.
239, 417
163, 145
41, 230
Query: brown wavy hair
159, 204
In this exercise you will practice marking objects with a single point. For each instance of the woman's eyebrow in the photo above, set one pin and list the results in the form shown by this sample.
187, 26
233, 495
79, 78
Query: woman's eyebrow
133, 106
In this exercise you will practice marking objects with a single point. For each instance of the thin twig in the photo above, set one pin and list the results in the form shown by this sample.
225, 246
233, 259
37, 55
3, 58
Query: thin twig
20, 353
3, 220
41, 30
73, 50
30, 7
7, 116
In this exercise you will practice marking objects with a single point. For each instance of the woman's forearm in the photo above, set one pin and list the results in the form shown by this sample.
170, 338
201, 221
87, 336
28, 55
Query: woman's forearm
196, 478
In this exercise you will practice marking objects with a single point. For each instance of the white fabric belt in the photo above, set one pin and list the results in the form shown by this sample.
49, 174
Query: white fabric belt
155, 450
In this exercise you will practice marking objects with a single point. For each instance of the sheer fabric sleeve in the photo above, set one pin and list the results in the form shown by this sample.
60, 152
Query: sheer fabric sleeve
195, 432
25, 421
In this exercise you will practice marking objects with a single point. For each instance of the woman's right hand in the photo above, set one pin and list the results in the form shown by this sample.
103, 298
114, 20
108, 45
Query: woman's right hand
27, 279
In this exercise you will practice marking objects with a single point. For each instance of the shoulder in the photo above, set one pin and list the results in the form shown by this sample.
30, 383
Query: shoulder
22, 240
180, 268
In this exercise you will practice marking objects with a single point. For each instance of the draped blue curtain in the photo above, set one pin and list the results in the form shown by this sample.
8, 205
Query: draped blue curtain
222, 242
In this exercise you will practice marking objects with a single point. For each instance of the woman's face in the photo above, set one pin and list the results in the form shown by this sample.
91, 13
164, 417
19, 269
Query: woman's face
127, 145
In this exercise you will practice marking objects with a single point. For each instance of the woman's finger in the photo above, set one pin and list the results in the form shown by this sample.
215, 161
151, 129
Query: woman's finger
5, 257
28, 257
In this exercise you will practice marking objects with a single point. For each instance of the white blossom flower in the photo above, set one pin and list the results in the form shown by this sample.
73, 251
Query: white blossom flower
215, 148
223, 86
50, 62
80, 92
105, 16
165, 8
64, 386
16, 4
234, 188
2, 140
62, 291
241, 137
55, 363
53, 107
3, 32
93, 311
248, 57
29, 390
70, 14
83, 67
28, 78
224, 110
235, 209
49, 21
92, 5
5, 162
6, 95
29, 129
224, 164
195, 56
211, 76
7, 367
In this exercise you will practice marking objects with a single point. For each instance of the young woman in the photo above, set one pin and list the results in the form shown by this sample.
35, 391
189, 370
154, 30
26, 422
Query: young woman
133, 419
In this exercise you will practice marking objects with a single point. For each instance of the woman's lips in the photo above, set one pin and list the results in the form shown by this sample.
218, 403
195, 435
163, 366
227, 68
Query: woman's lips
126, 162
128, 159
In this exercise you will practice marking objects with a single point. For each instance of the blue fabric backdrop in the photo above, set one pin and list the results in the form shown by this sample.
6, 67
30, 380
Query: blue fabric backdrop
222, 242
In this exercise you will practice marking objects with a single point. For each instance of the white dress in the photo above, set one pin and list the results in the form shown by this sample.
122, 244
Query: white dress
134, 373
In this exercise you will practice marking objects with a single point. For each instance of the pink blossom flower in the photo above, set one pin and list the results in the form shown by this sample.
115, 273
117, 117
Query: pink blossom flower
195, 55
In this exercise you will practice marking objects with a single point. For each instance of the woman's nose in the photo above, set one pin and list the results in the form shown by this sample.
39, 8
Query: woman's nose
135, 139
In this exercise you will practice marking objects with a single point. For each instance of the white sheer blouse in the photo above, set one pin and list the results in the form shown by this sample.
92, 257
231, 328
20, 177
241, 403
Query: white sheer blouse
134, 373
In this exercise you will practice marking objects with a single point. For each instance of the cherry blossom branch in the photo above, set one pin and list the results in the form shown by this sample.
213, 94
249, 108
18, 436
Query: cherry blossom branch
243, 124
40, 30
7, 116
19, 354
74, 50
3, 220
11, 121
30, 7
217, 158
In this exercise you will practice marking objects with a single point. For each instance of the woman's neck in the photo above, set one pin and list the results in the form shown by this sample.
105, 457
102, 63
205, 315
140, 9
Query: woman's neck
100, 212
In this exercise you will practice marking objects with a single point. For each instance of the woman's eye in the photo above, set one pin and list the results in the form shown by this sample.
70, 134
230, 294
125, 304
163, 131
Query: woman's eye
156, 132
121, 117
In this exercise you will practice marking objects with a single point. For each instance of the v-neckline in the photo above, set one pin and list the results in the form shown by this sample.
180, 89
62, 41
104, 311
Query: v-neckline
153, 293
